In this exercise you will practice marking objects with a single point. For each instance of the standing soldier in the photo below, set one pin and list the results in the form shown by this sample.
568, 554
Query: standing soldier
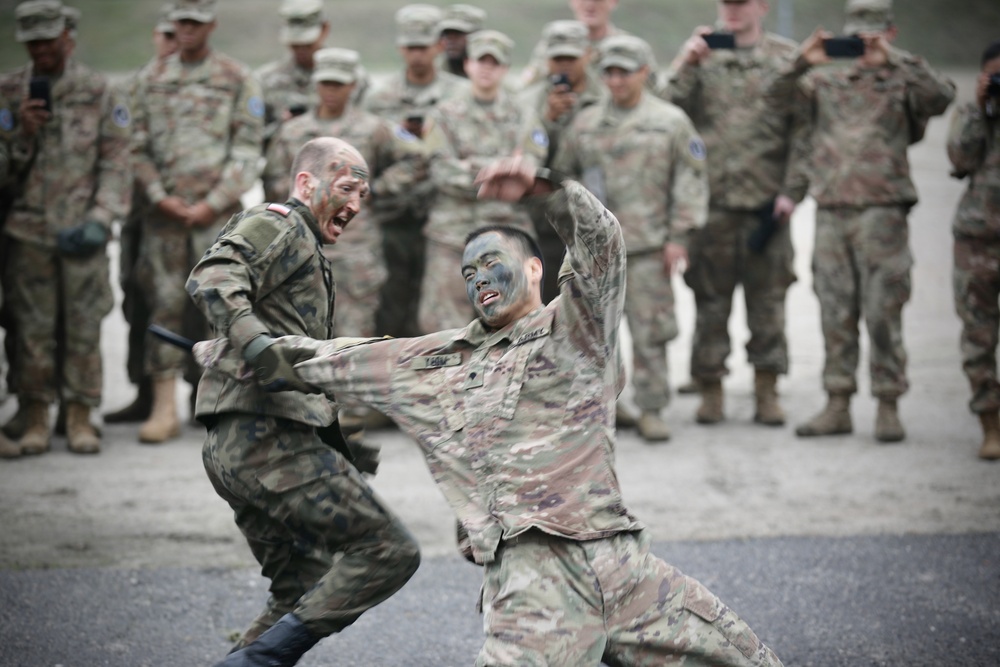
644, 158
458, 23
406, 99
862, 119
9, 449
69, 139
475, 128
974, 149
198, 133
753, 194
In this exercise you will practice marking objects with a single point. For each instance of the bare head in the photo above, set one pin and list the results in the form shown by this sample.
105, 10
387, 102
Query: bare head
503, 271
331, 177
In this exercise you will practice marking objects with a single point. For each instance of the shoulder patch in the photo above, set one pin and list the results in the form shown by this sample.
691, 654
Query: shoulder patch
258, 230
280, 209
6, 120
255, 105
697, 148
121, 116
540, 138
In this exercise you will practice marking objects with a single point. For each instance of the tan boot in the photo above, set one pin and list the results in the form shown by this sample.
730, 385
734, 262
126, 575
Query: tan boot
18, 424
136, 411
81, 435
710, 410
990, 449
163, 423
8, 448
652, 428
769, 411
37, 432
888, 428
624, 417
835, 418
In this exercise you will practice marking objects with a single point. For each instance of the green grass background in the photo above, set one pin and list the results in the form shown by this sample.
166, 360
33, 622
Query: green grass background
114, 35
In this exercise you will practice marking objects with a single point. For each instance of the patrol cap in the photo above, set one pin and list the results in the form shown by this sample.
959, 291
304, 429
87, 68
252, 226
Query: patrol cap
626, 51
202, 11
39, 19
868, 16
417, 25
303, 21
163, 23
336, 64
565, 38
462, 18
492, 43
72, 16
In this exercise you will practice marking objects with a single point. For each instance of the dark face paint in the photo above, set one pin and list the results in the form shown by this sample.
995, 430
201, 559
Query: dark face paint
337, 197
495, 280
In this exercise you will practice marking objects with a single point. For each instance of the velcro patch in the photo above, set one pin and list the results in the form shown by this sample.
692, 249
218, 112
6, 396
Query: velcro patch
259, 232
435, 361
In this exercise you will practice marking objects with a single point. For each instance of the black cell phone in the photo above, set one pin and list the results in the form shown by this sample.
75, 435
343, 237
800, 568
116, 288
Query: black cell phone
844, 47
38, 89
557, 80
414, 124
720, 40
297, 110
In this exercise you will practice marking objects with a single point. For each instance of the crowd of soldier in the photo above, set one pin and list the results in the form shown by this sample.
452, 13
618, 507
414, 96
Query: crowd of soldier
703, 162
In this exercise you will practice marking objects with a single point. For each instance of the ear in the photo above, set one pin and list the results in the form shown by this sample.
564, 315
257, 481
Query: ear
534, 269
303, 185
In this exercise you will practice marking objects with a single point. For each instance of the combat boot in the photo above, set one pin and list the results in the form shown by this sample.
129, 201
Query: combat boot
769, 411
16, 425
136, 411
281, 645
8, 448
652, 428
37, 432
624, 417
81, 436
835, 419
888, 428
990, 449
710, 410
163, 423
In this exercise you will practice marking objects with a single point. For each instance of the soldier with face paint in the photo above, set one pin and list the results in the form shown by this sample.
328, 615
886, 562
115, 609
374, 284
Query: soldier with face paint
297, 500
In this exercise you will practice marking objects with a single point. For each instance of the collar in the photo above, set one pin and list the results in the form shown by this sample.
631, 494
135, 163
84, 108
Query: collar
533, 325
307, 215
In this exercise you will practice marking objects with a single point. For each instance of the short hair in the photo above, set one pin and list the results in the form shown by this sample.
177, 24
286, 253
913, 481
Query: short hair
529, 246
311, 158
992, 51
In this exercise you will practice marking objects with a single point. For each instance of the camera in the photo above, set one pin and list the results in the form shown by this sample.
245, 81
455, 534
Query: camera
993, 86
557, 80
844, 47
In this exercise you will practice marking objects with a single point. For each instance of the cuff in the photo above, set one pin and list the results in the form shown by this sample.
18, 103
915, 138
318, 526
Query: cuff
244, 329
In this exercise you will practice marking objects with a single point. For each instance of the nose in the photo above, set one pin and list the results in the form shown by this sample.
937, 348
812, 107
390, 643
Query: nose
481, 281
354, 204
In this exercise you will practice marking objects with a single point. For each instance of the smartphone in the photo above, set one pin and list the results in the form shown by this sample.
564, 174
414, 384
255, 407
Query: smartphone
414, 124
297, 110
38, 89
844, 47
557, 80
720, 40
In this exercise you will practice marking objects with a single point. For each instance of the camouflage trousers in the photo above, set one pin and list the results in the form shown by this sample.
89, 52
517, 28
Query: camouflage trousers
549, 601
976, 281
45, 287
403, 242
861, 268
649, 310
720, 259
299, 504
444, 303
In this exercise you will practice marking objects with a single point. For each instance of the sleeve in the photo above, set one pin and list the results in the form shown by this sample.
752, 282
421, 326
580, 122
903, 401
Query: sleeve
359, 369
114, 184
683, 87
146, 172
796, 182
400, 160
246, 137
967, 140
928, 93
450, 173
688, 187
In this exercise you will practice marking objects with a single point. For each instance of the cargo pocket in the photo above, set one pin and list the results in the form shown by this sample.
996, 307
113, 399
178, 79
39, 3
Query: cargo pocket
705, 605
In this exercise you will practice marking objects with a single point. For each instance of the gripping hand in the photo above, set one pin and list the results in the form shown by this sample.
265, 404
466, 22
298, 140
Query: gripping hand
83, 240
274, 365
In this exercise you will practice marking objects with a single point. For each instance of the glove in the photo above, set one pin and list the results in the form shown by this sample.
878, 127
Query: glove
274, 365
83, 240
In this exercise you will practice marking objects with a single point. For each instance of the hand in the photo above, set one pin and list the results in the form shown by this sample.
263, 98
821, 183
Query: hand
200, 215
784, 207
33, 116
507, 179
560, 101
695, 49
174, 208
274, 367
82, 240
812, 50
675, 259
876, 49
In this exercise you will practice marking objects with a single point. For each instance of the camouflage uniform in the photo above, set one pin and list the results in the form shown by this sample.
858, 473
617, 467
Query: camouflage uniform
538, 65
974, 149
198, 133
650, 164
861, 122
517, 429
77, 172
297, 501
749, 146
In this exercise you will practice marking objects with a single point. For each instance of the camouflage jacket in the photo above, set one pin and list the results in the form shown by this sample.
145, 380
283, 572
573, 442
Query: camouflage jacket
647, 165
266, 274
974, 150
472, 136
535, 97
396, 98
516, 425
199, 132
76, 168
861, 121
749, 144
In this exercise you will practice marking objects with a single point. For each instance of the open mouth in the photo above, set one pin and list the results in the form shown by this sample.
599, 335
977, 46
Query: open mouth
487, 297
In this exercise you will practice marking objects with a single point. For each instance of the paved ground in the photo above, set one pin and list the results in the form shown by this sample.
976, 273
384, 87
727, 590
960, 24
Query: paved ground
838, 551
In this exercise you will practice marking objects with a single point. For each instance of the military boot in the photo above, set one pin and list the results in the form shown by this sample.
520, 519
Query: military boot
710, 410
888, 428
652, 428
990, 449
163, 423
8, 448
769, 411
280, 646
624, 417
16, 425
81, 436
37, 432
835, 418
136, 411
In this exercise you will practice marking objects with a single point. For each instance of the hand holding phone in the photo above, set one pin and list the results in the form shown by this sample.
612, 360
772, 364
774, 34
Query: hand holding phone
720, 40
38, 89
844, 47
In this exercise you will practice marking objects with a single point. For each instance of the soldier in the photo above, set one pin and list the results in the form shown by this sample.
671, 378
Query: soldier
198, 134
8, 448
753, 195
298, 501
134, 304
474, 128
70, 149
405, 99
458, 23
644, 158
974, 149
514, 415
862, 119
570, 86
